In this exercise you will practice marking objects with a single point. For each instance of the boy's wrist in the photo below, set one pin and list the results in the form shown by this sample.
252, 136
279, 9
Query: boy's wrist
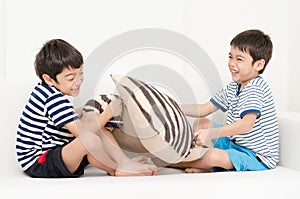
107, 113
104, 117
214, 133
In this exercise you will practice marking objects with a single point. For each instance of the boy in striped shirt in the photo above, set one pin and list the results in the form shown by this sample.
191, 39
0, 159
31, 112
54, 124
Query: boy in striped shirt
55, 141
250, 138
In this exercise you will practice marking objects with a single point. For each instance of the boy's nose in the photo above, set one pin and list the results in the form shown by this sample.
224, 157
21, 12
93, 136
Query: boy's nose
79, 80
231, 63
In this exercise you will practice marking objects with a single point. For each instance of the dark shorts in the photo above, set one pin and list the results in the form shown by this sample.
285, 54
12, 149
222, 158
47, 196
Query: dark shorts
51, 165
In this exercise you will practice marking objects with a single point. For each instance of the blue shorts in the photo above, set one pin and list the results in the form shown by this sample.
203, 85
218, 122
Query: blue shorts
243, 159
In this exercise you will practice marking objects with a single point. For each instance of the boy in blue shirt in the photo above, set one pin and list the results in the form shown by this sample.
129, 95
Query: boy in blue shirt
55, 141
250, 138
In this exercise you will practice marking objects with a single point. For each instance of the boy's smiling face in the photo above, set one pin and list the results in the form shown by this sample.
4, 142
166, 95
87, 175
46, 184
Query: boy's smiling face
68, 81
241, 68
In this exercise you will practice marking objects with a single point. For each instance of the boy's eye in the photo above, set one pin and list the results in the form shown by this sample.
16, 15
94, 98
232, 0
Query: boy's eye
70, 78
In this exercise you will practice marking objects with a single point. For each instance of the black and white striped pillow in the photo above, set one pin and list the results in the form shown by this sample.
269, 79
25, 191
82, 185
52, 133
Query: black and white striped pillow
156, 118
99, 104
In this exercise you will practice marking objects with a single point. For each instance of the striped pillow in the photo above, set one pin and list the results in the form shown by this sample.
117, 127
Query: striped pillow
155, 119
99, 104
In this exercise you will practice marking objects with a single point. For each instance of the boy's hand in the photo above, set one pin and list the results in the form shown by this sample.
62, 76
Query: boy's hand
201, 138
90, 121
87, 117
116, 107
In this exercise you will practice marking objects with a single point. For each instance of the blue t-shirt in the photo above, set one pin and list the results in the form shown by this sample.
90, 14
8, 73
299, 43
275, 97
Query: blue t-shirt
41, 125
256, 97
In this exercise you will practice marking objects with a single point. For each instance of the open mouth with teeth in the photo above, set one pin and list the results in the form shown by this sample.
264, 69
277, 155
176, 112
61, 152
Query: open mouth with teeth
234, 72
75, 90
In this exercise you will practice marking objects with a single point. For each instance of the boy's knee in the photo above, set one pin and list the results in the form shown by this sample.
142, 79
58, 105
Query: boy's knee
211, 158
218, 158
90, 141
201, 123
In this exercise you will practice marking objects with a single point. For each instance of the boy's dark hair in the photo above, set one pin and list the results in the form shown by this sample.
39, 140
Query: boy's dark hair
55, 56
257, 43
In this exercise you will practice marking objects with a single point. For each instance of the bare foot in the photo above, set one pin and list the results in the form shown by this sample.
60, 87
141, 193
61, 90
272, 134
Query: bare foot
111, 172
194, 170
132, 168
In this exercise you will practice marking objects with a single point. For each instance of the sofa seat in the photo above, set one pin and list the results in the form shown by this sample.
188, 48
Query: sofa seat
283, 181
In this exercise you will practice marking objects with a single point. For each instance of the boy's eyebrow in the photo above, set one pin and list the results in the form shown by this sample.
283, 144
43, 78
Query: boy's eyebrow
241, 56
70, 74
238, 55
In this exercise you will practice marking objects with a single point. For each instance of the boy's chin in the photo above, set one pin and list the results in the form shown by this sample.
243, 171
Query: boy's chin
73, 94
235, 79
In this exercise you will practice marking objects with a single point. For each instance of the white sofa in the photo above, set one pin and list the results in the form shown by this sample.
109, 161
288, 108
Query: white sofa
281, 182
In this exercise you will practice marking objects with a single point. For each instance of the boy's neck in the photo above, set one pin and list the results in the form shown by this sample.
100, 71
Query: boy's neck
242, 85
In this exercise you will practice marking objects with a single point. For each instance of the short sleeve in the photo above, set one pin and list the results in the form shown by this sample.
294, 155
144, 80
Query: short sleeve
60, 110
220, 100
251, 101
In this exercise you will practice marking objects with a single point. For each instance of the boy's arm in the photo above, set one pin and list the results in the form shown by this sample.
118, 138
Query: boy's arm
94, 122
79, 111
198, 110
90, 121
241, 126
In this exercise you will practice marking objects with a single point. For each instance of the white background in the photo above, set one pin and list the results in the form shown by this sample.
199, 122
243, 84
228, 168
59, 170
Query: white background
26, 25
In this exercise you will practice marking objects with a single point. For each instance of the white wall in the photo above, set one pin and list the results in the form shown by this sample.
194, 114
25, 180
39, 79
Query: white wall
214, 23
2, 38
86, 24
293, 58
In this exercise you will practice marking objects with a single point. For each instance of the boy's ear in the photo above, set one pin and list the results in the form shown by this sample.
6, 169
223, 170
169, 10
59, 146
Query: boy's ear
259, 64
48, 80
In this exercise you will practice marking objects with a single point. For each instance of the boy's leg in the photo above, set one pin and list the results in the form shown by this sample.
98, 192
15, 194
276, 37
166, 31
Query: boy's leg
126, 166
102, 156
214, 158
74, 152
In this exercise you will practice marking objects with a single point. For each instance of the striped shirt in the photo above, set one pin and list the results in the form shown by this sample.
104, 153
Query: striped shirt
256, 97
41, 125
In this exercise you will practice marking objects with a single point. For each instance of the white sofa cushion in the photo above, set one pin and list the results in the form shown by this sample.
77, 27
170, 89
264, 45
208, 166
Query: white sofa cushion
281, 182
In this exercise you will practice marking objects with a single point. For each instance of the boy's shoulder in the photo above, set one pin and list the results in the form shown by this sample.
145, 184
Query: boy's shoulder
43, 92
258, 85
259, 82
45, 89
